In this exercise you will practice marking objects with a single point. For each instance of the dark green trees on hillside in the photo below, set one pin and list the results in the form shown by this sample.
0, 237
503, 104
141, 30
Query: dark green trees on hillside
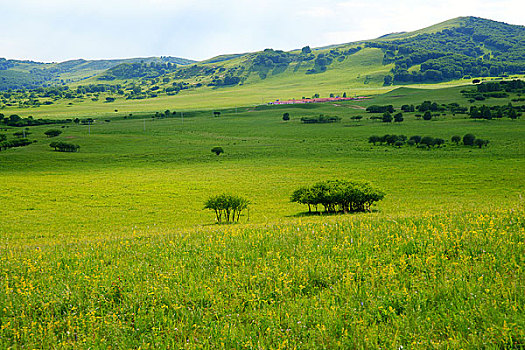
338, 196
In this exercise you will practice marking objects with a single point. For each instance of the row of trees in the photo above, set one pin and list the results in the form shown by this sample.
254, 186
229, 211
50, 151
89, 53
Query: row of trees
338, 196
4, 144
425, 141
321, 119
490, 112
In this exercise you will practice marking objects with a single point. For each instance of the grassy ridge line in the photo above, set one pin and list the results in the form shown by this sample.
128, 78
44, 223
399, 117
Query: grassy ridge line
444, 281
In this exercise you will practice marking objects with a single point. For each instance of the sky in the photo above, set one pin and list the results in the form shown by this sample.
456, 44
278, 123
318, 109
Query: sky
59, 30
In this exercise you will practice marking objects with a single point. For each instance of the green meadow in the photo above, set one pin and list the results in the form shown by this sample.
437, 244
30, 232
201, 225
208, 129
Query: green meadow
110, 247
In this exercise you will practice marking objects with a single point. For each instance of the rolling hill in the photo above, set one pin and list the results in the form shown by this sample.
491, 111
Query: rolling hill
451, 53
16, 74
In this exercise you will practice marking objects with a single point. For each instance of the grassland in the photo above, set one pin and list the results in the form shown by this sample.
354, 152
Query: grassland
110, 247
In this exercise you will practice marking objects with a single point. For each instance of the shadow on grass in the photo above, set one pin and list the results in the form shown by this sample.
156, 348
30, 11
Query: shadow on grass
324, 213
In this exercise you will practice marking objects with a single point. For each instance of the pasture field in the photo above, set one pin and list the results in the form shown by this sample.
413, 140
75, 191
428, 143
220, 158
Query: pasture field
110, 246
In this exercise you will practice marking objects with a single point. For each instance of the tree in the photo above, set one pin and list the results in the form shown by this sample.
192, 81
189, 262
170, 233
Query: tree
374, 139
306, 50
387, 117
216, 114
64, 146
398, 117
427, 141
480, 143
217, 150
52, 133
286, 116
468, 139
338, 195
456, 139
416, 139
388, 80
227, 207
427, 115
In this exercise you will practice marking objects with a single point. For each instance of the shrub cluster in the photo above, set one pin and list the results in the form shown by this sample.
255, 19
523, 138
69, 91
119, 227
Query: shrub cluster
227, 207
321, 119
61, 146
14, 143
424, 141
338, 196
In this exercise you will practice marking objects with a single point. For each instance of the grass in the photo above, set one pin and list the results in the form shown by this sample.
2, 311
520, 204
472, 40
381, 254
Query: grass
110, 247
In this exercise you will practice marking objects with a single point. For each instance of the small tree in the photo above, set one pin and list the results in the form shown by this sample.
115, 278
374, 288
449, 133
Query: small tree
52, 133
398, 117
286, 116
374, 139
387, 117
456, 139
227, 207
416, 139
216, 114
427, 115
468, 139
480, 143
217, 150
427, 141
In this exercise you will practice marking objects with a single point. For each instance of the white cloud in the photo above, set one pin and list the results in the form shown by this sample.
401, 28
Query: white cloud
62, 29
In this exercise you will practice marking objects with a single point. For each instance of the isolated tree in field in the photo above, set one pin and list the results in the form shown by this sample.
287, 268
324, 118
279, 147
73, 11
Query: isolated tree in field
427, 115
468, 139
216, 114
227, 207
217, 150
456, 139
398, 117
52, 133
286, 116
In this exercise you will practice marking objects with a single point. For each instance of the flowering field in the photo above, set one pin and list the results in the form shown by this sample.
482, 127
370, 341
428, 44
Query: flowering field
451, 280
110, 247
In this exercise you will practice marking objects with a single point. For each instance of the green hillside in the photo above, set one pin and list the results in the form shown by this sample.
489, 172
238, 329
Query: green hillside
16, 74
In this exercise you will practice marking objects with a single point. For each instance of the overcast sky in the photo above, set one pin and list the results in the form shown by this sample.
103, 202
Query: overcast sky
58, 30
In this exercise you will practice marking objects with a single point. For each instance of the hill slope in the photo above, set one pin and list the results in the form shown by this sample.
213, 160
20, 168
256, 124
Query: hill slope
459, 48
15, 74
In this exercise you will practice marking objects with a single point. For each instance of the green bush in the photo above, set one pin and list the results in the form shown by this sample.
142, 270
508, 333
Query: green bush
338, 196
227, 207
60, 146
217, 150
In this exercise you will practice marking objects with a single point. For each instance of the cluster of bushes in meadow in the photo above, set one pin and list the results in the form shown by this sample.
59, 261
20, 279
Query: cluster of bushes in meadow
425, 141
321, 119
490, 112
227, 207
338, 196
5, 144
17, 121
498, 89
61, 146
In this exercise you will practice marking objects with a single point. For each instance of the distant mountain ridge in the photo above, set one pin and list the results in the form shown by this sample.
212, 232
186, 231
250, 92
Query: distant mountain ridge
16, 74
458, 48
